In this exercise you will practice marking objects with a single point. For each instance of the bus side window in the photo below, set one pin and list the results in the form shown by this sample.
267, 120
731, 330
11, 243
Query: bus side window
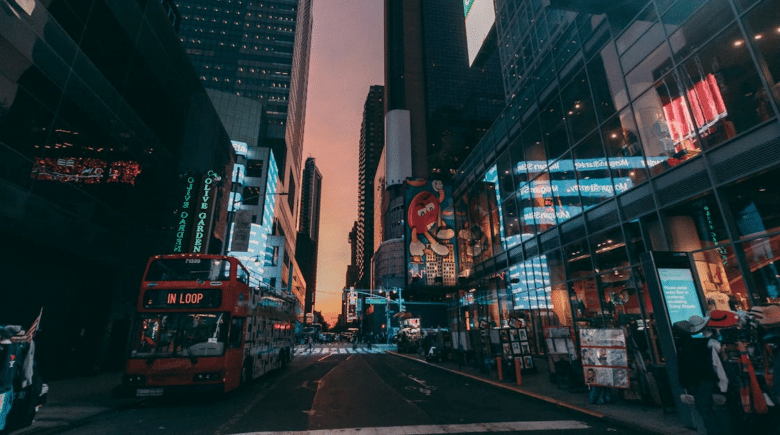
242, 275
236, 332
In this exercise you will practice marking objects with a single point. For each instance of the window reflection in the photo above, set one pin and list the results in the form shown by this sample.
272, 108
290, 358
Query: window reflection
665, 128
724, 92
592, 174
624, 152
566, 194
753, 204
763, 258
764, 30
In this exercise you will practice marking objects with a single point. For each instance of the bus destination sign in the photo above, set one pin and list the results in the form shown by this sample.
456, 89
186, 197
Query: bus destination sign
196, 298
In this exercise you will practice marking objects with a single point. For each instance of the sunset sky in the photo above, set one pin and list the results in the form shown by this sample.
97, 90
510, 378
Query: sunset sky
346, 59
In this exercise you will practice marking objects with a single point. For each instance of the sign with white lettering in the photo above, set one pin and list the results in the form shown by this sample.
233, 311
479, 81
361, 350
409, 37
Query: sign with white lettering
679, 289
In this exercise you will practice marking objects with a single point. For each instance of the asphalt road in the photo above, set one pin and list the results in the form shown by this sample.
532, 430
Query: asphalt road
346, 393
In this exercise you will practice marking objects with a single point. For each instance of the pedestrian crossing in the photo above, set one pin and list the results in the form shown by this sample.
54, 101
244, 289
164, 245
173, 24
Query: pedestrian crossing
345, 350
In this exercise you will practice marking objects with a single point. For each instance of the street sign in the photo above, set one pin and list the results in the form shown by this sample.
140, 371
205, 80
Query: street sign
376, 301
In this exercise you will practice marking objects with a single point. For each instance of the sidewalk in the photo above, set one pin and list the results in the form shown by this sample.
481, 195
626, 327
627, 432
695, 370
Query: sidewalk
71, 401
645, 419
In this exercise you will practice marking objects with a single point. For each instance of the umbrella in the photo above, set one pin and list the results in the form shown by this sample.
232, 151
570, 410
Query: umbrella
404, 315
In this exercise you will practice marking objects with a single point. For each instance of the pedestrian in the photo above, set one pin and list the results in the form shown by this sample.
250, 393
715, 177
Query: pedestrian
311, 343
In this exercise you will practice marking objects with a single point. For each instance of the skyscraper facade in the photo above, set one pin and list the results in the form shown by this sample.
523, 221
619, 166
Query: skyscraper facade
102, 124
437, 107
259, 50
309, 229
371, 141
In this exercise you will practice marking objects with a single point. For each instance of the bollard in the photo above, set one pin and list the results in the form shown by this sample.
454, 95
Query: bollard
518, 370
499, 368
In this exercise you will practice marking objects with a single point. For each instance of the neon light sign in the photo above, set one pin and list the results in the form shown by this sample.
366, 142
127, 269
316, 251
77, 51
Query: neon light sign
182, 229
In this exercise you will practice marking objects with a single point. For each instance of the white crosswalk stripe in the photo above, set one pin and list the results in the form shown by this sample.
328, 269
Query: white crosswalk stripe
509, 426
326, 350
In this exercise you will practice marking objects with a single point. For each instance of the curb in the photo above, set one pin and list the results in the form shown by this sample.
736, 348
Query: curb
537, 396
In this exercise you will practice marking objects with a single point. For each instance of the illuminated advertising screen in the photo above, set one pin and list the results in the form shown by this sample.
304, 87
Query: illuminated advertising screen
196, 298
480, 16
680, 294
430, 233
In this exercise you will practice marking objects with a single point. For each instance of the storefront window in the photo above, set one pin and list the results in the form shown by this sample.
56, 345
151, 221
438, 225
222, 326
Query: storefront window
566, 194
577, 257
555, 263
763, 258
587, 303
721, 279
724, 92
634, 241
609, 250
694, 225
593, 179
753, 204
764, 31
665, 126
624, 152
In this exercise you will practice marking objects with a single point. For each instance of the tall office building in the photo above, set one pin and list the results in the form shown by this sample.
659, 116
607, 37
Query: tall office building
427, 72
309, 229
438, 105
93, 166
371, 141
259, 50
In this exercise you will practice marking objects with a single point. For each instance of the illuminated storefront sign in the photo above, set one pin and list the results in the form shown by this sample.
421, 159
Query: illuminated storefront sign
184, 215
204, 212
85, 170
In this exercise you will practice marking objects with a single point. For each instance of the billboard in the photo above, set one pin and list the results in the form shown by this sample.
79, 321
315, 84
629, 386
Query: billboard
480, 17
430, 233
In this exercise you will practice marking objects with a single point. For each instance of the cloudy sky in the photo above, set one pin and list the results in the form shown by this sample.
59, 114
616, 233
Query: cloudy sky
346, 59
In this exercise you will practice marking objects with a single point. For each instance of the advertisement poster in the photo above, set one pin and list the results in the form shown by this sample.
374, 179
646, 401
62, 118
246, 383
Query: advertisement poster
604, 357
430, 234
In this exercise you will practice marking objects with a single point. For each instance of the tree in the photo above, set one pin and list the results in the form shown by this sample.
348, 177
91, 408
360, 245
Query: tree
319, 318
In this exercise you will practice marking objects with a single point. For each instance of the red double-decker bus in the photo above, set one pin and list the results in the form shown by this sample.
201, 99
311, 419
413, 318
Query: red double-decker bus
203, 326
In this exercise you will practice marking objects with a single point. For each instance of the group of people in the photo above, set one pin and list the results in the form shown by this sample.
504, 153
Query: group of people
726, 367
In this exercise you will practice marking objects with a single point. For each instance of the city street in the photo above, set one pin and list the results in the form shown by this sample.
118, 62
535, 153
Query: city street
334, 387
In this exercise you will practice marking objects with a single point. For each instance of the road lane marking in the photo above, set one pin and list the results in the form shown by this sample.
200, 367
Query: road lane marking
508, 426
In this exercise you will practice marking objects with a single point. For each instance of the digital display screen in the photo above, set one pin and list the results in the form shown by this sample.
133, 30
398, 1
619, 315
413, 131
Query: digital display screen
195, 298
680, 294
480, 16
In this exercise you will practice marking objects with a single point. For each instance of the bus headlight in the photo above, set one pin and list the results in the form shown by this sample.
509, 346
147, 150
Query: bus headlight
131, 379
211, 376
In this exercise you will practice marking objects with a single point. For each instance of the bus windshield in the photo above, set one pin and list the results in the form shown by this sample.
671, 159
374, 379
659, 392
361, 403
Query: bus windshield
188, 269
165, 335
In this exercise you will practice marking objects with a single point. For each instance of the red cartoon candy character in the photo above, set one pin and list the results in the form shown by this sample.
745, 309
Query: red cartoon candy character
424, 213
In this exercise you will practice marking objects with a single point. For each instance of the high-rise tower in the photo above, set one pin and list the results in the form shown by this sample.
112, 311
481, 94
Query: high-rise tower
371, 141
309, 229
259, 50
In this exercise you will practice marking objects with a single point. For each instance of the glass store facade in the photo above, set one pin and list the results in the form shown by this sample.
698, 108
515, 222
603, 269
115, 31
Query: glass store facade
623, 133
